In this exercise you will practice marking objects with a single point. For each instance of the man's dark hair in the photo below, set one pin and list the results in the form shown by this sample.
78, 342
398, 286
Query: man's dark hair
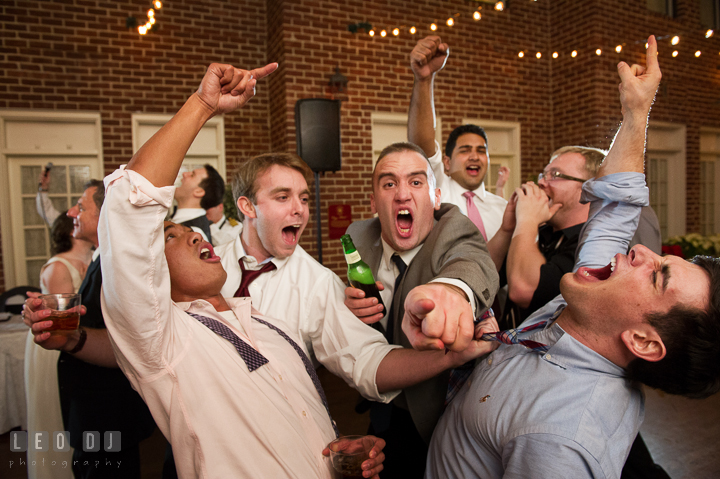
99, 195
61, 234
691, 366
214, 187
461, 130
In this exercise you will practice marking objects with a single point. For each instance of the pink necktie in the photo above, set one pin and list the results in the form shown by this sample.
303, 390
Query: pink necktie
474, 214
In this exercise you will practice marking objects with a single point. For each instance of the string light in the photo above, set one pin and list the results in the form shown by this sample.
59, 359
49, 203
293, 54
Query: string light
158, 4
646, 45
450, 22
150, 24
675, 53
675, 40
598, 52
371, 33
413, 30
477, 15
574, 53
521, 54
555, 54
709, 33
538, 55
396, 31
433, 27
142, 29
698, 53
618, 48
151, 13
383, 33
499, 6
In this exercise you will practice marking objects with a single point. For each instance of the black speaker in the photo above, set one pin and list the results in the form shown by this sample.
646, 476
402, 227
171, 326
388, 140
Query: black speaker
317, 130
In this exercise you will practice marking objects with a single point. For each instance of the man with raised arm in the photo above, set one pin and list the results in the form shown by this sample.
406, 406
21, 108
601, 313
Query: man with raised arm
463, 168
561, 399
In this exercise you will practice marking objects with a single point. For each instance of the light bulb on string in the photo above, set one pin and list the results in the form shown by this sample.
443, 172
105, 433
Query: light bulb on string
618, 48
383, 33
477, 15
574, 53
538, 55
521, 54
158, 4
675, 40
709, 33
396, 31
598, 52
646, 45
698, 53
675, 53
152, 21
413, 30
142, 29
371, 33
450, 22
433, 27
151, 13
555, 54
499, 6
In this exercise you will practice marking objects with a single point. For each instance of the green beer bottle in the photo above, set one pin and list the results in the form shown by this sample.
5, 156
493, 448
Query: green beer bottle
359, 273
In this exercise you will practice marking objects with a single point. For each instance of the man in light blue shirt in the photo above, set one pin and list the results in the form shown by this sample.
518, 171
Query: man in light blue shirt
574, 409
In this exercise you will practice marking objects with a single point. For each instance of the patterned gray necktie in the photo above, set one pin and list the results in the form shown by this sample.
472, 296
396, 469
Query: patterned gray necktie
253, 359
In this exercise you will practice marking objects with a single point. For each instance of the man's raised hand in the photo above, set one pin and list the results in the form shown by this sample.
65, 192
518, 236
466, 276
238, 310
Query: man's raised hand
639, 84
428, 57
225, 88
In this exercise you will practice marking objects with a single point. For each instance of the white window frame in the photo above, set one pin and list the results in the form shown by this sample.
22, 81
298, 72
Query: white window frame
670, 140
195, 156
711, 153
30, 155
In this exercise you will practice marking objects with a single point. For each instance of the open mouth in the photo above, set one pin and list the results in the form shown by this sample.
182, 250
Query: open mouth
601, 274
290, 234
404, 221
207, 253
473, 170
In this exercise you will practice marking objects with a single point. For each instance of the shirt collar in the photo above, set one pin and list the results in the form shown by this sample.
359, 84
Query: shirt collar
187, 214
480, 191
250, 261
407, 256
96, 254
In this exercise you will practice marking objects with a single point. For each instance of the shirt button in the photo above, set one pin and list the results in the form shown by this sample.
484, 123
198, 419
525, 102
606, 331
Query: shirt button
548, 356
280, 376
490, 362
304, 414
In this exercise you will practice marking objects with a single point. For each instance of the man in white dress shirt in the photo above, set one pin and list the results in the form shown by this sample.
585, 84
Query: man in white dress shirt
462, 170
222, 228
199, 190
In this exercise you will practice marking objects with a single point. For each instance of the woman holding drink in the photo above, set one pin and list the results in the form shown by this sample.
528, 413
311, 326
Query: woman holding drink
63, 273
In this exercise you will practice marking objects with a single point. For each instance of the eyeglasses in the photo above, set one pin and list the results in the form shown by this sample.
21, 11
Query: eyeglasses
554, 175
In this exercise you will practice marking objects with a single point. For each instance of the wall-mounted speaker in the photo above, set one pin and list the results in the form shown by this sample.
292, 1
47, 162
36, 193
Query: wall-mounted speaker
317, 130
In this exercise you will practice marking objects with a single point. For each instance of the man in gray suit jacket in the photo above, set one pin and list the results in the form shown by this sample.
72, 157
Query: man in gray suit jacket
444, 254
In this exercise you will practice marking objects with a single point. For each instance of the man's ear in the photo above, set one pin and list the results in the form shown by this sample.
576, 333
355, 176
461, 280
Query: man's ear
644, 342
446, 164
437, 199
198, 192
246, 207
373, 210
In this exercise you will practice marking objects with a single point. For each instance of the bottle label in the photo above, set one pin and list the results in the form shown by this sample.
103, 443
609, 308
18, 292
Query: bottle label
353, 257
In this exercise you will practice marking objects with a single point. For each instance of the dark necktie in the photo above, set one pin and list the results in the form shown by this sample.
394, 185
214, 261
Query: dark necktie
401, 266
248, 276
253, 359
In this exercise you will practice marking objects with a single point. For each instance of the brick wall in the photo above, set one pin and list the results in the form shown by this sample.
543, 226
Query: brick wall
73, 55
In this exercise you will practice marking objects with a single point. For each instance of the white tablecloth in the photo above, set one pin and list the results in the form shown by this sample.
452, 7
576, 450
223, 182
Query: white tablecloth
13, 410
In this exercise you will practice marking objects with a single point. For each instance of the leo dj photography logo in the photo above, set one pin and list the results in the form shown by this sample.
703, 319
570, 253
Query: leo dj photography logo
42, 441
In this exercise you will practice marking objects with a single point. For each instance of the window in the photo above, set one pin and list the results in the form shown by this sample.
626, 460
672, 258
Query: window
709, 177
208, 147
389, 128
29, 140
665, 170
666, 7
710, 14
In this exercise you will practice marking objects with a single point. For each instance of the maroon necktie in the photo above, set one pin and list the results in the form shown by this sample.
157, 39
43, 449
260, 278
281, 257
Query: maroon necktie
248, 276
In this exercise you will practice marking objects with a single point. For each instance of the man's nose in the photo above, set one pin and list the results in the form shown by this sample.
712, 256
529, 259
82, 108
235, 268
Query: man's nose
402, 192
72, 212
640, 254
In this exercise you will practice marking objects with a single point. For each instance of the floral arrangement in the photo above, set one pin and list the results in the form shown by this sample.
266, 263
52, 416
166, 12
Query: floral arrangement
693, 244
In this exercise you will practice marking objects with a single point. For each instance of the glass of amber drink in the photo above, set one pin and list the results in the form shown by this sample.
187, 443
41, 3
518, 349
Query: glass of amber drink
65, 312
347, 454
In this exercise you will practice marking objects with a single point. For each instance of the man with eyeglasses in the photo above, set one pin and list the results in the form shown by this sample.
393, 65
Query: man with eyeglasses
535, 245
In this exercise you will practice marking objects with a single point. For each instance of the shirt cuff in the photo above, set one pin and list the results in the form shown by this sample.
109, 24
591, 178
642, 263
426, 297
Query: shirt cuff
625, 187
460, 284
142, 192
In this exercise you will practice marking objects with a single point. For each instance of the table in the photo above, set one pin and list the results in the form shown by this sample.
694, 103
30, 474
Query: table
13, 410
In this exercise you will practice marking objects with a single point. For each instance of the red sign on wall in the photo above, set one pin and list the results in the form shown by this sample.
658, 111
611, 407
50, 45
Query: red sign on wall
340, 217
